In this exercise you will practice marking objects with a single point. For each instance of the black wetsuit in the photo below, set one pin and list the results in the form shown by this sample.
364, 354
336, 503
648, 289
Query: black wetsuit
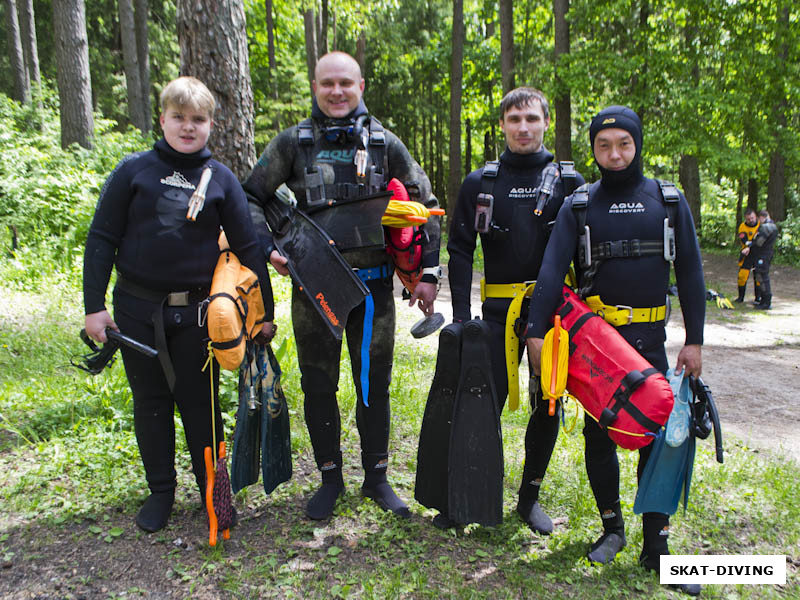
512, 253
632, 209
762, 249
140, 227
284, 161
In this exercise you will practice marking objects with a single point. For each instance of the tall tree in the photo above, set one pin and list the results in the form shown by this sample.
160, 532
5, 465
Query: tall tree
507, 44
22, 84
689, 166
311, 42
141, 13
563, 101
776, 192
27, 23
456, 80
323, 29
213, 40
130, 55
74, 81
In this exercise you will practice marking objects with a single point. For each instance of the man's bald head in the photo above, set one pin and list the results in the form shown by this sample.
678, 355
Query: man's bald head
338, 85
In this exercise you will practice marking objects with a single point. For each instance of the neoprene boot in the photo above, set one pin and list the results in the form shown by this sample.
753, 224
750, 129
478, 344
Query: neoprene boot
611, 543
321, 504
377, 487
155, 512
534, 516
766, 302
740, 298
655, 544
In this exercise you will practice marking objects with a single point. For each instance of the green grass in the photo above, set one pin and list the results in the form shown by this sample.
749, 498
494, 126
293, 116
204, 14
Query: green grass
70, 462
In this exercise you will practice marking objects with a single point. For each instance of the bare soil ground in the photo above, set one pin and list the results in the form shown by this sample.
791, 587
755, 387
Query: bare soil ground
751, 362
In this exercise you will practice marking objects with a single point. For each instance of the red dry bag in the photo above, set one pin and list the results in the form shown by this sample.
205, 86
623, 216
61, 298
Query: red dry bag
404, 244
625, 394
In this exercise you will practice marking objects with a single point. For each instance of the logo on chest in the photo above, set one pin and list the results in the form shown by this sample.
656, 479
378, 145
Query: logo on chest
336, 156
626, 207
177, 180
522, 192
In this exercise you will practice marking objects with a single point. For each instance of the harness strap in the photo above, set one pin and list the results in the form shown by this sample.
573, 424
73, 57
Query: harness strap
619, 315
622, 396
517, 292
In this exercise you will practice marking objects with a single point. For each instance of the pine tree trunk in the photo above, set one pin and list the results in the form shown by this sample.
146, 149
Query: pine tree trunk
361, 49
27, 24
311, 42
776, 185
689, 171
752, 193
74, 80
456, 80
130, 56
213, 40
563, 102
22, 84
507, 44
323, 29
468, 154
141, 13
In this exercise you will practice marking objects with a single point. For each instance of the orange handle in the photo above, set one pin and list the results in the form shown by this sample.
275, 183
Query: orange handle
436, 211
551, 409
415, 219
212, 517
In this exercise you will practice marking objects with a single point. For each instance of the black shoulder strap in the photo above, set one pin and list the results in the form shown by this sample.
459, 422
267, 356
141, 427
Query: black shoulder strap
377, 154
315, 186
569, 176
490, 171
671, 198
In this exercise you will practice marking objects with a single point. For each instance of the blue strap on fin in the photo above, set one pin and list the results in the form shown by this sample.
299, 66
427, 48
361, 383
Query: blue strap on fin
384, 271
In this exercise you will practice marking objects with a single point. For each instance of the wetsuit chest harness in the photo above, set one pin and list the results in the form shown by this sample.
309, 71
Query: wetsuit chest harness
591, 256
370, 148
484, 207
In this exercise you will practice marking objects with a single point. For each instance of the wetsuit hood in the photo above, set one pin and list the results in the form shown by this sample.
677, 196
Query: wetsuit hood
619, 117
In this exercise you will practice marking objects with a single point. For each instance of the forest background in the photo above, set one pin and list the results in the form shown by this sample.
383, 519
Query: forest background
715, 81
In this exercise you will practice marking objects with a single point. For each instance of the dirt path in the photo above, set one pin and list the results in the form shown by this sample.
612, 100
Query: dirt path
751, 358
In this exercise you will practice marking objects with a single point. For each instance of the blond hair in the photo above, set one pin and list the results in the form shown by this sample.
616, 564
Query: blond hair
188, 91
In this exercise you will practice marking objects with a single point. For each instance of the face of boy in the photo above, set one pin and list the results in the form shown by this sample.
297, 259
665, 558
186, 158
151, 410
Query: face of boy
186, 129
614, 149
524, 127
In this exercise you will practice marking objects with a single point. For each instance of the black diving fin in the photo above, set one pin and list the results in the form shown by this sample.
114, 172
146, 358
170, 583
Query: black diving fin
276, 443
475, 481
246, 454
315, 264
434, 437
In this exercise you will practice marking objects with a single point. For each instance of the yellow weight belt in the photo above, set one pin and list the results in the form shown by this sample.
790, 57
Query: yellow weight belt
517, 292
620, 314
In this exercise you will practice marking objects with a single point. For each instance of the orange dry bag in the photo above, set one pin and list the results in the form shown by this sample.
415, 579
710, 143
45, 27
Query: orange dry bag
624, 393
235, 310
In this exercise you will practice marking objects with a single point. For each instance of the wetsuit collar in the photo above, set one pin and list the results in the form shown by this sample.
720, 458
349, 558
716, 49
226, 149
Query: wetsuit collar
621, 182
318, 115
169, 153
526, 161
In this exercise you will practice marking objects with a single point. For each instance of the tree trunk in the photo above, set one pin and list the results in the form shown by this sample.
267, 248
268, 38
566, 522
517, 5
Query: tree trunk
752, 193
273, 64
776, 186
130, 57
73, 78
456, 80
22, 84
739, 215
563, 103
507, 44
689, 176
213, 40
27, 24
141, 12
311, 43
323, 30
361, 49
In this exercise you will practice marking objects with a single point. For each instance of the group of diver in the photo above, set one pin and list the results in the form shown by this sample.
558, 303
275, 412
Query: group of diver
535, 217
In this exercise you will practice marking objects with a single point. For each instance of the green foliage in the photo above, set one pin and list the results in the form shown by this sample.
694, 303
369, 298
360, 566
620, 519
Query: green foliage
49, 194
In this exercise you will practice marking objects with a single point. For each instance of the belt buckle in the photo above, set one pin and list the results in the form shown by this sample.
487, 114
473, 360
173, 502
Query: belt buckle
630, 312
178, 299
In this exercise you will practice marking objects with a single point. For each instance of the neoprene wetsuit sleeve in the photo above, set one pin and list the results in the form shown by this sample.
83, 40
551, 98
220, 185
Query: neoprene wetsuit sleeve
403, 167
689, 275
238, 225
558, 254
461, 247
273, 168
105, 233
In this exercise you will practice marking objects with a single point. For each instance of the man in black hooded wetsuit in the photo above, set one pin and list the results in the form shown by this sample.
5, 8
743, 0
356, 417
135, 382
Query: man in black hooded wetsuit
317, 159
625, 213
524, 182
